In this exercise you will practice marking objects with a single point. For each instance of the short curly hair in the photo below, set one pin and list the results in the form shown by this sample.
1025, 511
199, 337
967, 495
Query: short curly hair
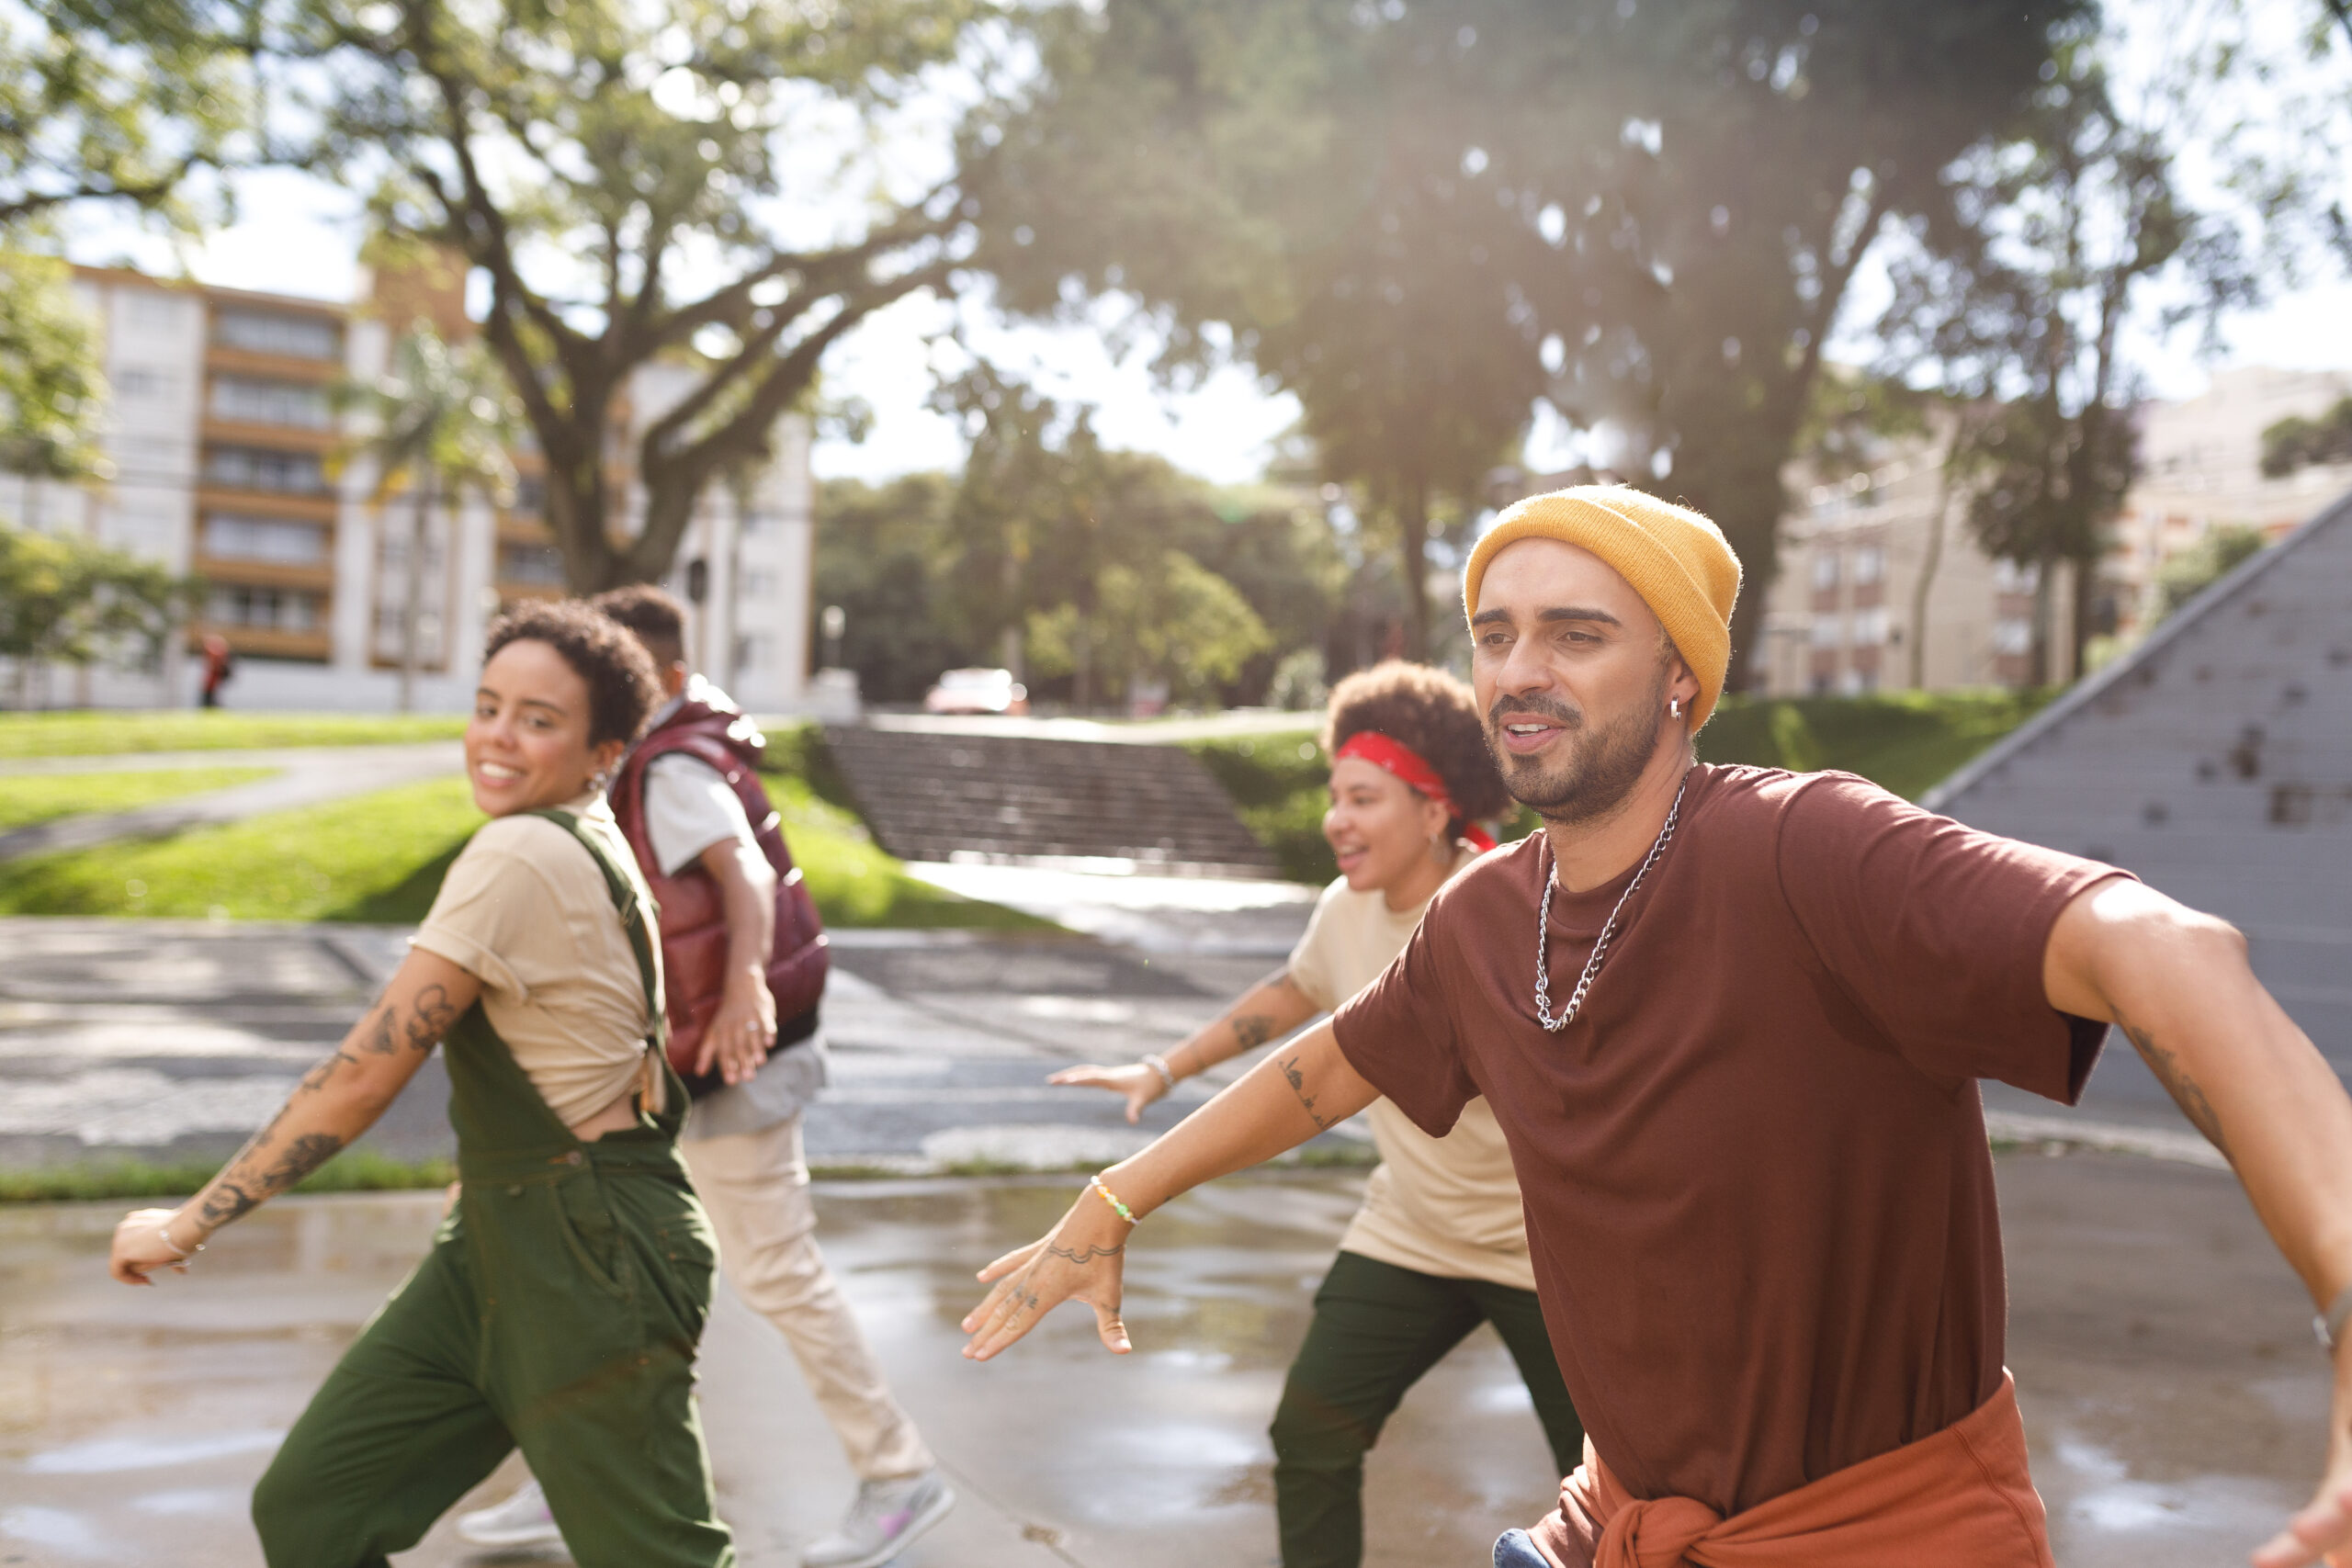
622, 685
1432, 713
659, 621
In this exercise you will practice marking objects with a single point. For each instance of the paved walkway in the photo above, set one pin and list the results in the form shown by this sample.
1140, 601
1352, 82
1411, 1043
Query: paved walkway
2176, 1407
307, 776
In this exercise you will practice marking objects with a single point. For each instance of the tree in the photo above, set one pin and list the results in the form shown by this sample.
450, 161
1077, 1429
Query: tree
635, 185
2204, 563
106, 102
51, 390
64, 599
1171, 619
2062, 232
1650, 212
2298, 442
437, 425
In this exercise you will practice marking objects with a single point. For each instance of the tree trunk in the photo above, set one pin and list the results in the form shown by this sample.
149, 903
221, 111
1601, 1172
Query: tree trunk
2038, 666
1412, 563
2085, 575
1916, 661
412, 591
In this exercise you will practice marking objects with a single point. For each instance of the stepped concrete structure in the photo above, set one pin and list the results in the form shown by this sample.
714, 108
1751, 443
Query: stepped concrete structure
953, 795
2215, 762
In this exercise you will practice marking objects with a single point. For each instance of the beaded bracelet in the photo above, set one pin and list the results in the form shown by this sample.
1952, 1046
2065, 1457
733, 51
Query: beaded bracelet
1158, 1064
1111, 1198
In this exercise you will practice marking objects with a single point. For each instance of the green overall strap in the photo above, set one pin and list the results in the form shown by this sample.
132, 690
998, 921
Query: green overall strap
633, 919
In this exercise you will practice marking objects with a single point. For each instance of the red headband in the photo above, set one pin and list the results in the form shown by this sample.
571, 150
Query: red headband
1395, 757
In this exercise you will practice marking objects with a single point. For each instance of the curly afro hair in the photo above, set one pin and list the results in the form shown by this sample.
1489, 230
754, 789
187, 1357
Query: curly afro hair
1429, 711
659, 621
622, 686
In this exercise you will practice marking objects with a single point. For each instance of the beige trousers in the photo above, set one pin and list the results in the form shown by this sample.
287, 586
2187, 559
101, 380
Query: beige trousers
755, 1186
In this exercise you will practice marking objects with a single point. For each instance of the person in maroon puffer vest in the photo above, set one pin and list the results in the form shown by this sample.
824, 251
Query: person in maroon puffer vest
743, 959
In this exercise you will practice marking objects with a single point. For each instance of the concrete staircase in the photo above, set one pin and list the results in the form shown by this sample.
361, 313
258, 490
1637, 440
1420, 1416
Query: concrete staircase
964, 796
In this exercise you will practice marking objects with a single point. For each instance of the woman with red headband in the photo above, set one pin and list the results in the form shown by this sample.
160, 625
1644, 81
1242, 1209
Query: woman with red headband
1440, 1245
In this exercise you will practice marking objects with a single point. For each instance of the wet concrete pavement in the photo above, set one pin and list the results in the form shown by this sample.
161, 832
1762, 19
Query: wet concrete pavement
2172, 1397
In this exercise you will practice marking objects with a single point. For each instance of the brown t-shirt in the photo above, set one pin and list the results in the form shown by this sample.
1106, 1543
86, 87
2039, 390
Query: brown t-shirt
1760, 1200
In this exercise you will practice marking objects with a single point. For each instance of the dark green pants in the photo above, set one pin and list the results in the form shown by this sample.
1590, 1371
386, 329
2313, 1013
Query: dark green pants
1377, 1329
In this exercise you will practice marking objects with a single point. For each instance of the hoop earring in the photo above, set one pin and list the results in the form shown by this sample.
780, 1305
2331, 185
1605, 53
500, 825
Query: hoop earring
1674, 707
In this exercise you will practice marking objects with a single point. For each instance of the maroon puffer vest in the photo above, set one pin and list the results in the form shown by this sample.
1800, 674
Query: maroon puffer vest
709, 728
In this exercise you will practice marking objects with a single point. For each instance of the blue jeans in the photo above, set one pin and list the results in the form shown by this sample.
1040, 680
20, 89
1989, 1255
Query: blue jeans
1515, 1551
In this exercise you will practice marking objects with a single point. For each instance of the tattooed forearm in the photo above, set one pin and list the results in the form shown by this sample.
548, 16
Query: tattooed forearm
304, 1155
318, 1076
1252, 1029
226, 1202
1086, 1256
2183, 1089
1297, 1081
430, 1018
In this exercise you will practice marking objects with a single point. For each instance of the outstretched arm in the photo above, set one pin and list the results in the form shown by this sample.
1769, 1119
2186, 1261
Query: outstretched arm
336, 1101
742, 1031
1304, 1088
2177, 983
1267, 1010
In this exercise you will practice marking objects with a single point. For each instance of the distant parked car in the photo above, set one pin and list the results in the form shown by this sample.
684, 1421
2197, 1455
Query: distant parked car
977, 691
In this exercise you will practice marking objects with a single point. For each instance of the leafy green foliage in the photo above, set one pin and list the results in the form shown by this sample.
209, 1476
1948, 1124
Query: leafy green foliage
2298, 442
26, 799
65, 600
358, 1170
101, 101
591, 158
1280, 786
1904, 741
2204, 563
1112, 567
1418, 218
51, 391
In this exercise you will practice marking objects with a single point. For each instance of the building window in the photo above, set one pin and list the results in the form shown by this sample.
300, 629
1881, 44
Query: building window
757, 585
2011, 577
1870, 564
751, 652
530, 495
1825, 568
265, 609
535, 566
2013, 636
254, 467
1869, 628
138, 382
1828, 631
249, 402
273, 332
264, 539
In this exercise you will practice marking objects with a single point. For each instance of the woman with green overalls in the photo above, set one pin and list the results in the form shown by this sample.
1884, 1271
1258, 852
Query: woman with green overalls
560, 1307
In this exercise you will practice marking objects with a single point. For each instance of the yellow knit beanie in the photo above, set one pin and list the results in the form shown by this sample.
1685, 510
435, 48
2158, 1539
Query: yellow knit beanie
1676, 560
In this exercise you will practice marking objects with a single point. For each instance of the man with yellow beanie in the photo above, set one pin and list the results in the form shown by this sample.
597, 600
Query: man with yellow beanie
1729, 1020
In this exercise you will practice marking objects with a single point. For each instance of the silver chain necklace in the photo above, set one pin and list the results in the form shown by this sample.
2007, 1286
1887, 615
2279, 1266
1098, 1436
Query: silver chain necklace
1592, 964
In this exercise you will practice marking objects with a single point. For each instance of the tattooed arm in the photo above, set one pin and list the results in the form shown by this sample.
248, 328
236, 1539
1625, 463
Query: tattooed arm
336, 1101
1267, 1010
1297, 1092
2177, 985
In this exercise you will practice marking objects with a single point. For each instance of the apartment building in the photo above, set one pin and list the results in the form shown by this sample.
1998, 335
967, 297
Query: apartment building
231, 462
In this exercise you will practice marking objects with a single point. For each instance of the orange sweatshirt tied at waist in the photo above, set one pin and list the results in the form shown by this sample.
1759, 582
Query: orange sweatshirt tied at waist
1960, 1498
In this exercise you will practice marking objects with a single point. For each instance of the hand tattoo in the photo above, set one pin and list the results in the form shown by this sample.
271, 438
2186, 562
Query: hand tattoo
1306, 1101
1082, 1258
2184, 1089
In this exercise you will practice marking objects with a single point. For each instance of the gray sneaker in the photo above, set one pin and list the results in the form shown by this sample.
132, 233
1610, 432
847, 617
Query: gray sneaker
883, 1521
521, 1520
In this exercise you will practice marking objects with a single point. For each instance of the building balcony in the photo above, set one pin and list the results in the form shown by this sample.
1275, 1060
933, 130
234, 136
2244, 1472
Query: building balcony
220, 569
265, 642
226, 357
314, 506
291, 437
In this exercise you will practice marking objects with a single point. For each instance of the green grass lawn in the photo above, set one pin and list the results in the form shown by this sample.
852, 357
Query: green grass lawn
28, 799
380, 857
1906, 741
88, 733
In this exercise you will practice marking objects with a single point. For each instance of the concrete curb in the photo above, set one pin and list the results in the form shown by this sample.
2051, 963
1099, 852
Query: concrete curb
2109, 1137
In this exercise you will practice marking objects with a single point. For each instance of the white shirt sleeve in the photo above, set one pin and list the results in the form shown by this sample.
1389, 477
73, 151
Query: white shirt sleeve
688, 807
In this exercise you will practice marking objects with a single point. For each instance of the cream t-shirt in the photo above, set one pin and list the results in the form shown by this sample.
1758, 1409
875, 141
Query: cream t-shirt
1446, 1206
525, 910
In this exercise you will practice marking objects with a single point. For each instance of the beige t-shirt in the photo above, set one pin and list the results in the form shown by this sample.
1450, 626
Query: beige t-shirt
1446, 1206
525, 910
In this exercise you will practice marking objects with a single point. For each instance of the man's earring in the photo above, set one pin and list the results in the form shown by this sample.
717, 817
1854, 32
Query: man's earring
1674, 707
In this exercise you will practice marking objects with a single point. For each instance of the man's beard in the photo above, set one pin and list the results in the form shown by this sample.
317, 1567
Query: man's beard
1590, 773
